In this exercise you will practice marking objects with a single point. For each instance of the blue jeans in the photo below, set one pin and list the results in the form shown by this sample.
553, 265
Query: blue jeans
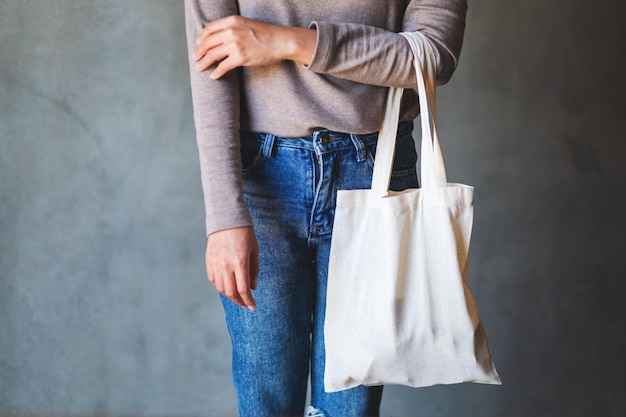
290, 186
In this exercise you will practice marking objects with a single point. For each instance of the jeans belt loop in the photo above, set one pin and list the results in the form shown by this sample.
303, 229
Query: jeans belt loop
268, 146
360, 147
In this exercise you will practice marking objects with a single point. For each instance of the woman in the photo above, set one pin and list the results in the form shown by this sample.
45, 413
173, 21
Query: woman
288, 97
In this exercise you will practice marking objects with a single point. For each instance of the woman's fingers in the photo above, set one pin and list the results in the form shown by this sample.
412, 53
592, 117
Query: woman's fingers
212, 57
225, 65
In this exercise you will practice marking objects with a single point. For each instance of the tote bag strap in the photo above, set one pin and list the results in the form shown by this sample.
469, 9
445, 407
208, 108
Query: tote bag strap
433, 173
387, 142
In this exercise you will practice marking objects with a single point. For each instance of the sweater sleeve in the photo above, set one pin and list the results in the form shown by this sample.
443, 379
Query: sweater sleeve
376, 56
216, 106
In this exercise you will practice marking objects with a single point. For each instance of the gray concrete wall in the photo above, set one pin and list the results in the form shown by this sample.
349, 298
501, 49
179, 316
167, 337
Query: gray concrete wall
104, 308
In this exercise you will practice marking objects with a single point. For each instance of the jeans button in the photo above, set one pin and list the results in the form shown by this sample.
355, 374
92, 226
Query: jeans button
325, 140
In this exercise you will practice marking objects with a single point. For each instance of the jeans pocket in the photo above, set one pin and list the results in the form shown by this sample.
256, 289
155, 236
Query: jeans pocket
251, 152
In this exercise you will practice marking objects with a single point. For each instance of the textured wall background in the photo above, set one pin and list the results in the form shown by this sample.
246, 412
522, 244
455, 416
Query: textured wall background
104, 308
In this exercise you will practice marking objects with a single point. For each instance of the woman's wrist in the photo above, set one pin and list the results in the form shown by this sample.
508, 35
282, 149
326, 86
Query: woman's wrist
302, 44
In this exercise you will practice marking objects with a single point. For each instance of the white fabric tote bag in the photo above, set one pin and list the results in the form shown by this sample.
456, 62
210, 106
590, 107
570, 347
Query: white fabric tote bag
399, 309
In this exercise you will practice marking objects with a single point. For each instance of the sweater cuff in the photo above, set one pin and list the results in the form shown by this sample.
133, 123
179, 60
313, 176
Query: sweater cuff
228, 220
323, 49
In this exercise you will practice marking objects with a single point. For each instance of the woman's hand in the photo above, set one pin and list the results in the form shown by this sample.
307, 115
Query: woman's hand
232, 264
236, 41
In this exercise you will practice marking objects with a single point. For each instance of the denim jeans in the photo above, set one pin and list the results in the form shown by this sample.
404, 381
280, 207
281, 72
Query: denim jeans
290, 186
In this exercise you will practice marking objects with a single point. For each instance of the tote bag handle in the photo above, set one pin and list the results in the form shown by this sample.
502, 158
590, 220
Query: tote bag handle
433, 173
